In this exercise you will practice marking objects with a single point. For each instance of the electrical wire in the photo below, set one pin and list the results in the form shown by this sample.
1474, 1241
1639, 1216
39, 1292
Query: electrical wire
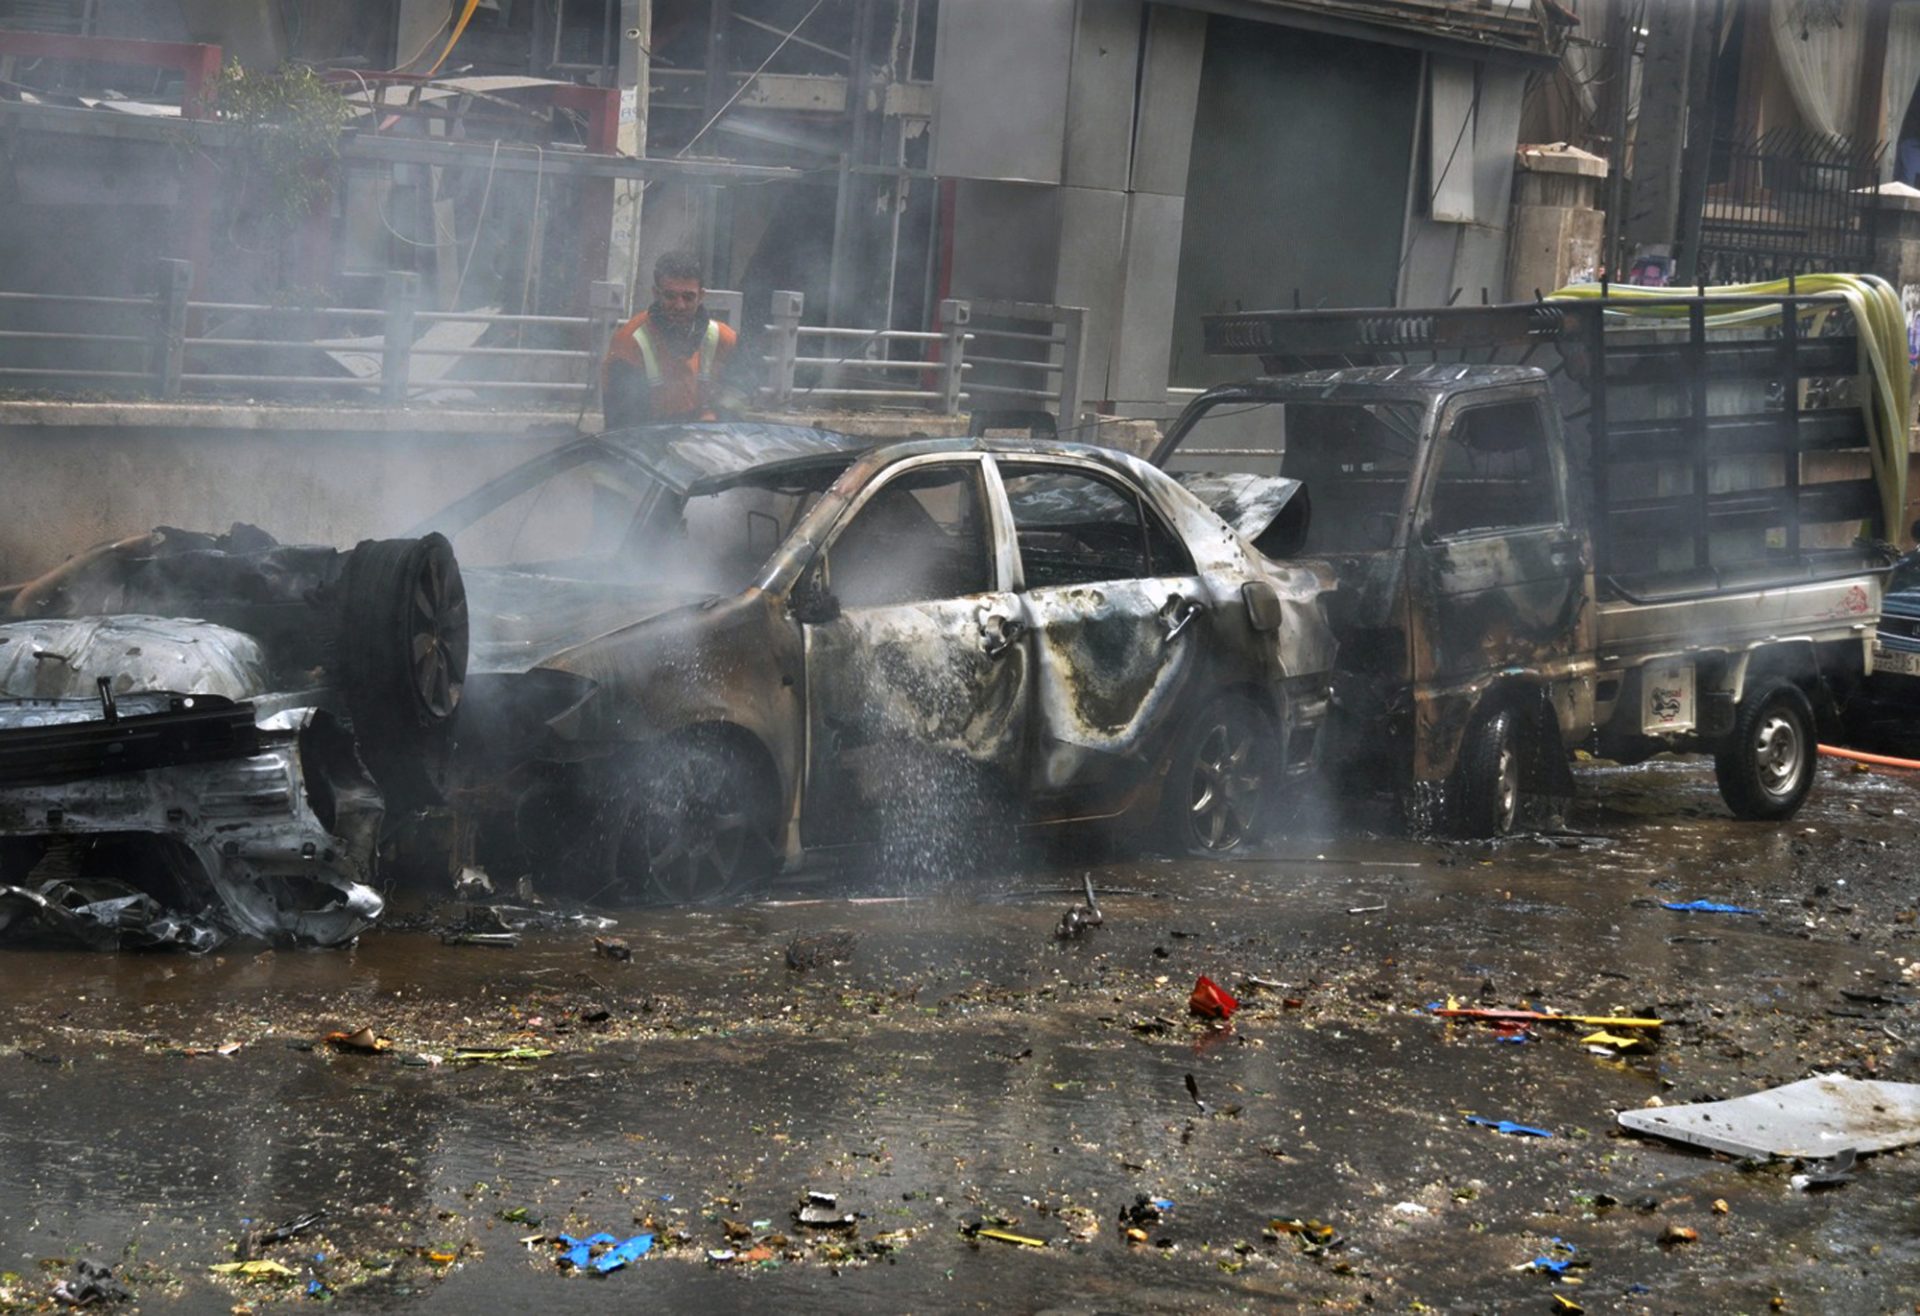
459, 29
751, 78
479, 225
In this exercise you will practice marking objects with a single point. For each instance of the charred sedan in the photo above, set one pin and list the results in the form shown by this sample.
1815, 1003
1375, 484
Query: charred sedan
699, 650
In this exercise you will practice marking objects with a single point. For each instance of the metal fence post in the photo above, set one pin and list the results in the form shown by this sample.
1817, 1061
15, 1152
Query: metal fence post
170, 331
954, 315
607, 309
784, 329
396, 356
1073, 350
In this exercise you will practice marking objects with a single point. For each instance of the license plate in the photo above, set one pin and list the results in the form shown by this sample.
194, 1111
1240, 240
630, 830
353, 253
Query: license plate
1895, 660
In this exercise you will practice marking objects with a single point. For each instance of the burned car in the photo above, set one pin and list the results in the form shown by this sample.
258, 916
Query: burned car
699, 650
187, 724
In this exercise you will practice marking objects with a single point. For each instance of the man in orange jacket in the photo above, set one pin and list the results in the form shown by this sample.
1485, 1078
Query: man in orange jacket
667, 363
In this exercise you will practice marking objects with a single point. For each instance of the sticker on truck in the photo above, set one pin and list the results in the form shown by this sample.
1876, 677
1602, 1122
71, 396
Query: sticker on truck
1666, 698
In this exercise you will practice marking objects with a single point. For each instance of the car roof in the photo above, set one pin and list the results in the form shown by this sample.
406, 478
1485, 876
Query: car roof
686, 455
1408, 381
707, 456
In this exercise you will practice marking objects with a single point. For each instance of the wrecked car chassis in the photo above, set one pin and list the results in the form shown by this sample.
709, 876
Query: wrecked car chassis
863, 690
209, 815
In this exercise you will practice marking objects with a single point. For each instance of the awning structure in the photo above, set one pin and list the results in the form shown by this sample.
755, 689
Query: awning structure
1501, 31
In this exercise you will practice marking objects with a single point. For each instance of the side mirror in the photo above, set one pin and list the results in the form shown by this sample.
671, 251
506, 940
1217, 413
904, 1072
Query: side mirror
811, 602
1263, 605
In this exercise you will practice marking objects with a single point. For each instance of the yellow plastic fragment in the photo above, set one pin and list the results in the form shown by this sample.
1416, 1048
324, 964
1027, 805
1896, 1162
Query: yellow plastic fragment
253, 1269
1004, 1237
1604, 1038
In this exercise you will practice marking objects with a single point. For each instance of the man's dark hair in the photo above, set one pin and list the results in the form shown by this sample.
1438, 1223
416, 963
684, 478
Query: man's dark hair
682, 264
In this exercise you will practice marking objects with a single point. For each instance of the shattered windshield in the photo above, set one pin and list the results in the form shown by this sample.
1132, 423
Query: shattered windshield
1355, 458
608, 522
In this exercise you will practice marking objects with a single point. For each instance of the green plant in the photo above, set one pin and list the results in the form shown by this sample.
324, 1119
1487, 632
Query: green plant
290, 123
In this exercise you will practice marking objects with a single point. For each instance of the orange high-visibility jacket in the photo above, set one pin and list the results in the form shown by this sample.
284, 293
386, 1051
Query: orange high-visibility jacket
680, 388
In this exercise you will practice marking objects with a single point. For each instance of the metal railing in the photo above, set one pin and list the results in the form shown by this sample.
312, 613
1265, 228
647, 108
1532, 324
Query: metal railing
1792, 202
1036, 366
169, 346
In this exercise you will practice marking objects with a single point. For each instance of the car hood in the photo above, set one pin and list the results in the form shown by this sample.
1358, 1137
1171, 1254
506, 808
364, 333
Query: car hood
520, 620
65, 657
1248, 503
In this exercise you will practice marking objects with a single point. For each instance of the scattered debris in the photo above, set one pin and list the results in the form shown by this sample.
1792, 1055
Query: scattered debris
89, 1283
1369, 909
1081, 918
497, 940
1705, 907
612, 948
259, 1269
1313, 1236
254, 1239
822, 1211
363, 1039
811, 950
499, 1055
1601, 1040
1821, 1117
1211, 1001
1508, 1126
601, 1253
974, 1232
1557, 1260
1673, 1235
1828, 1173
1453, 1010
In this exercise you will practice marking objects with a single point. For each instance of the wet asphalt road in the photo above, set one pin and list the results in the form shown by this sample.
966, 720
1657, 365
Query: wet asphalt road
963, 1066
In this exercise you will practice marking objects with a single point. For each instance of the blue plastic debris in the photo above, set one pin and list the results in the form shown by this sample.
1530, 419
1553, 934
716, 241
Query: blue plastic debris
1508, 1126
1704, 907
1162, 1203
579, 1253
632, 1250
1555, 1264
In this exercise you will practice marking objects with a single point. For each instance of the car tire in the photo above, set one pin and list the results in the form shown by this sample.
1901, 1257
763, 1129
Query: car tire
698, 831
402, 650
1485, 797
1765, 766
1220, 777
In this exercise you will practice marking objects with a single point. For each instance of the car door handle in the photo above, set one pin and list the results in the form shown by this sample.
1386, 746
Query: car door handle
1178, 614
997, 640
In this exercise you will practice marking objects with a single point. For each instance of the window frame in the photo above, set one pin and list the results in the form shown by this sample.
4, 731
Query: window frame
994, 525
1143, 507
1455, 414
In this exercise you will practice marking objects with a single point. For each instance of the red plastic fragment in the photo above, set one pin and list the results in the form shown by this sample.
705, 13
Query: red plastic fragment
1210, 1000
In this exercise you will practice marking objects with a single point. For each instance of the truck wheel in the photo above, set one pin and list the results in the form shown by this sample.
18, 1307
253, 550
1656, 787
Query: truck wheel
1486, 793
700, 830
403, 658
1765, 765
1216, 795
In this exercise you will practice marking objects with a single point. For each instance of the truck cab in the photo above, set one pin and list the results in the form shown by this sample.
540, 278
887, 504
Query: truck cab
1650, 526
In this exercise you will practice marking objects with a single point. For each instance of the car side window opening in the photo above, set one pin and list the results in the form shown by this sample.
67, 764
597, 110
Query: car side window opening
1079, 529
921, 537
1495, 472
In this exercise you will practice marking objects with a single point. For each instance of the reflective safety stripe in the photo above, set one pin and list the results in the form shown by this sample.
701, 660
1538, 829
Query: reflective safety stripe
643, 339
709, 350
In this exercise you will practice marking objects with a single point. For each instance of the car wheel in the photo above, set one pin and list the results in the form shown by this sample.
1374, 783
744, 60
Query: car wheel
1486, 791
1765, 765
403, 658
1218, 779
699, 831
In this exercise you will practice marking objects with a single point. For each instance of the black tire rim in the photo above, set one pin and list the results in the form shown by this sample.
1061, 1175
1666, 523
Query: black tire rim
1779, 752
437, 637
698, 851
1224, 792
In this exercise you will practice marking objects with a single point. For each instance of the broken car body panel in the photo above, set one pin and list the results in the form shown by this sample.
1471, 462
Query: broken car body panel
269, 836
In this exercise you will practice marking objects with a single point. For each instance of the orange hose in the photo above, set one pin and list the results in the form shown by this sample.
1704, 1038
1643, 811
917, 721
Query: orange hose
1877, 760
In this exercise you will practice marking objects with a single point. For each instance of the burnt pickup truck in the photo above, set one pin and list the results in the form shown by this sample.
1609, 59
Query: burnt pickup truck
1620, 525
